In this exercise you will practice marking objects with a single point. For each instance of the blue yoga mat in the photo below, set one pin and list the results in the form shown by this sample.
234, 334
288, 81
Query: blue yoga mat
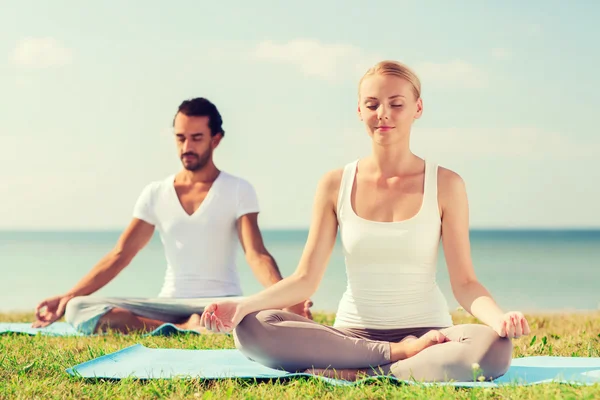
65, 329
56, 329
144, 363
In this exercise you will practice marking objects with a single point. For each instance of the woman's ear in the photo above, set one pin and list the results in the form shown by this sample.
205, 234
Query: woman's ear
419, 108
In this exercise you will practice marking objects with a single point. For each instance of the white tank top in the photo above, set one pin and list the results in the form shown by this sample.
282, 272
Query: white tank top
391, 266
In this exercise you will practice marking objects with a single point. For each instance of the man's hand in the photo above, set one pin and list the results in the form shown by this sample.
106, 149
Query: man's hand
54, 309
302, 309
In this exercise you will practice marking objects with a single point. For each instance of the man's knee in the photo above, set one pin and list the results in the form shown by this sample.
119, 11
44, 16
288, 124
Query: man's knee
83, 313
74, 308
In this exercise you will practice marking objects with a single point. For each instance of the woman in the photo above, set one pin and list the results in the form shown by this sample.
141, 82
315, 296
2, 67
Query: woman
391, 208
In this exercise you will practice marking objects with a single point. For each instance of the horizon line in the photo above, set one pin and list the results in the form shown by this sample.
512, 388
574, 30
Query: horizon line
304, 229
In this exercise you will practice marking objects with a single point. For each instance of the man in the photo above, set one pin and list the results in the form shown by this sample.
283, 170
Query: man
200, 213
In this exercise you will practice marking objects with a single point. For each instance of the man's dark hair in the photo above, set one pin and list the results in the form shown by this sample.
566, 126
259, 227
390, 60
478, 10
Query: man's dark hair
201, 107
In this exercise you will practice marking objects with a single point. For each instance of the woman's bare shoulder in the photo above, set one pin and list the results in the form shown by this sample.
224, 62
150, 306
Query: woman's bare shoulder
450, 185
332, 179
329, 184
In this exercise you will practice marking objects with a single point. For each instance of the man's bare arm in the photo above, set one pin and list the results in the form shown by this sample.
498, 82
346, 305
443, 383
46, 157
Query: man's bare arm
131, 241
260, 260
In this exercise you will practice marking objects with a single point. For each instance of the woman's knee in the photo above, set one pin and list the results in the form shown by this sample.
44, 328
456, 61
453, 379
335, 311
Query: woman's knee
253, 336
481, 345
258, 320
496, 353
254, 326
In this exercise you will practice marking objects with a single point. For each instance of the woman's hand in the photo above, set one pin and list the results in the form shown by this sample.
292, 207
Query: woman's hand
513, 324
222, 317
302, 309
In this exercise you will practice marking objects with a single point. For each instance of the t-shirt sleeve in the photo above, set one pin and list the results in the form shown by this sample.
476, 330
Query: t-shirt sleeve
247, 201
144, 209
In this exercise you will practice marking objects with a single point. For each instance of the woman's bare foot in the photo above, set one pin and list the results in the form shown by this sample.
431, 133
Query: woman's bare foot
408, 339
407, 347
412, 345
192, 324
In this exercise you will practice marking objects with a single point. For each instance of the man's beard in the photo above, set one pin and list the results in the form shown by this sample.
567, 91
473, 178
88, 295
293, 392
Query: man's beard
199, 162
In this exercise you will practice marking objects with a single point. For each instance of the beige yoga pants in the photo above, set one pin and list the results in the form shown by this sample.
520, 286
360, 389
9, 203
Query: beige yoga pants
283, 340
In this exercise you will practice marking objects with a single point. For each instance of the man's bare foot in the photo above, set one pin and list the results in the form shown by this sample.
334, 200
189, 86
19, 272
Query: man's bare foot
192, 324
412, 345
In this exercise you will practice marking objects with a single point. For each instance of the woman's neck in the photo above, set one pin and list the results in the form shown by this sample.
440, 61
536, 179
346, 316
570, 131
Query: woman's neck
392, 160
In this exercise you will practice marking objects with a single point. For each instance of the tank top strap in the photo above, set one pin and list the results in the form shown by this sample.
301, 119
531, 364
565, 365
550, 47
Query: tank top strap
430, 194
346, 186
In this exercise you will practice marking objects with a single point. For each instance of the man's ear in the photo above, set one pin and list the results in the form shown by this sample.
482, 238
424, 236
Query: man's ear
216, 139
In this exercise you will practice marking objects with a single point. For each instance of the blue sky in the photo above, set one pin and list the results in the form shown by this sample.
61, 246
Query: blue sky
511, 94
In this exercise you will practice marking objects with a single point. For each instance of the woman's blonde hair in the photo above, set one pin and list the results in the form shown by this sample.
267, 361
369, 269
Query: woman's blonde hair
395, 68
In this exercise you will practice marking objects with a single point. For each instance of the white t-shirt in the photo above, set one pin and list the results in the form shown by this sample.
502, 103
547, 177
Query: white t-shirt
201, 248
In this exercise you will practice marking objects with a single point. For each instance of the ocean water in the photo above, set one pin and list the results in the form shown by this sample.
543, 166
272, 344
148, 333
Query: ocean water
524, 270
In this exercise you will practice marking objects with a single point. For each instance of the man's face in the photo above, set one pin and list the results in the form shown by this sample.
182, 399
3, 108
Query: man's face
195, 144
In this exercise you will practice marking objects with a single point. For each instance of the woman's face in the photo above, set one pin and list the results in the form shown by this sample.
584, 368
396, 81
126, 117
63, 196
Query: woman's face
388, 107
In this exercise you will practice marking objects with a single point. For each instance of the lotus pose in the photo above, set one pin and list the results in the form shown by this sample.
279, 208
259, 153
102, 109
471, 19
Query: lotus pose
201, 213
392, 208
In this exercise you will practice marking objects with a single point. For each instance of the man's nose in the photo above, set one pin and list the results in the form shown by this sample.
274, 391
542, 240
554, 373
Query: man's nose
187, 145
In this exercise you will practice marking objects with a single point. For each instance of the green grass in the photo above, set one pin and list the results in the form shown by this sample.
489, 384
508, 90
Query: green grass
34, 367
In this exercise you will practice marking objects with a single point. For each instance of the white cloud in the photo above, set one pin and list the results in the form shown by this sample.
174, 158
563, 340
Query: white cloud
337, 61
501, 54
518, 142
41, 53
456, 73
321, 60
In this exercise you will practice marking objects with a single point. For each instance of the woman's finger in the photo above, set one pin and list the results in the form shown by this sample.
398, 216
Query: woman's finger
203, 320
526, 329
510, 328
518, 326
213, 323
503, 329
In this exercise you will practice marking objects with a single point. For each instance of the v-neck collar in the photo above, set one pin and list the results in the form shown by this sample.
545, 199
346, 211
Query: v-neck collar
204, 204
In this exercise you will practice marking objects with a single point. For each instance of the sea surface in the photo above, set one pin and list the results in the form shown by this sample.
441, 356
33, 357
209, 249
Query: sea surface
528, 270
